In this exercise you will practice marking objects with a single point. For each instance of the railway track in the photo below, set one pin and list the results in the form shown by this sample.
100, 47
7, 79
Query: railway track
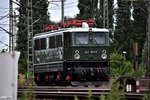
63, 93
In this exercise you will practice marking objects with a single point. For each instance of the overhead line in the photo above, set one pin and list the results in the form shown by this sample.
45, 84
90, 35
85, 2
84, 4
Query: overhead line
60, 6
64, 7
5, 15
2, 12
71, 2
4, 24
4, 43
5, 30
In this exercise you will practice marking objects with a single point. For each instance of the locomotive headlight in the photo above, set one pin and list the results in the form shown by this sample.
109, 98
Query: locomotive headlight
104, 51
104, 56
77, 51
77, 56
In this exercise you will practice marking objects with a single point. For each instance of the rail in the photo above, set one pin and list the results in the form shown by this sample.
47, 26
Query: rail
81, 92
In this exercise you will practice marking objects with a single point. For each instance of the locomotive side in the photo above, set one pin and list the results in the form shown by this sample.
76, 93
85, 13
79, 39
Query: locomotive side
71, 56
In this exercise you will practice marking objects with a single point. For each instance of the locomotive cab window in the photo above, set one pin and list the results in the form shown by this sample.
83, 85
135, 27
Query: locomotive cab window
81, 38
36, 44
67, 39
43, 43
52, 42
99, 38
59, 41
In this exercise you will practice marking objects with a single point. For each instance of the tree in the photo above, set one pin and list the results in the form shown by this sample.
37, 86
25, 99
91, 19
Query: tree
140, 15
40, 13
22, 36
90, 9
87, 9
130, 30
123, 30
111, 13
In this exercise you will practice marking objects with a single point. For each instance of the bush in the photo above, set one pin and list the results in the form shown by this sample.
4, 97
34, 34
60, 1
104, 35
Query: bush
119, 66
142, 70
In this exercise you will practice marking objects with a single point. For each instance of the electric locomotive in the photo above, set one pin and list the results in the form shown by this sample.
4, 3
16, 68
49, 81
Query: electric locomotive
76, 56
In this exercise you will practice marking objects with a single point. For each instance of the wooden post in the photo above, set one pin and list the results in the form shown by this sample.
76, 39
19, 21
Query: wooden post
135, 49
148, 41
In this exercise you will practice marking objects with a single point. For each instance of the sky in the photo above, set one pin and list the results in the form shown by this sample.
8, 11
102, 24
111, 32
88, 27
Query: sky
4, 22
70, 9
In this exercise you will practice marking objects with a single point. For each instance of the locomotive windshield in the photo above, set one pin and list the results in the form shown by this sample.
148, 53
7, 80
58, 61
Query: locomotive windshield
99, 38
95, 38
82, 38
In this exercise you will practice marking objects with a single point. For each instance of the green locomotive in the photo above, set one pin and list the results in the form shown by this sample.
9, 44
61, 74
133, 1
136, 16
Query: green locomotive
76, 56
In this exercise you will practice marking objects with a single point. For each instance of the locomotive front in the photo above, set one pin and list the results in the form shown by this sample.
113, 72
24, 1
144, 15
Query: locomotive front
86, 55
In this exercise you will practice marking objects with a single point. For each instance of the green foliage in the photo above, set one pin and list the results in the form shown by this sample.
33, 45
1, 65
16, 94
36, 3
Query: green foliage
115, 93
123, 31
89, 9
22, 64
28, 94
144, 53
76, 98
119, 66
139, 25
127, 30
102, 97
90, 95
21, 80
142, 70
147, 94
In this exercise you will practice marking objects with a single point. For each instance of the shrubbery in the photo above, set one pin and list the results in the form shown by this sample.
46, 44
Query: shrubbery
119, 66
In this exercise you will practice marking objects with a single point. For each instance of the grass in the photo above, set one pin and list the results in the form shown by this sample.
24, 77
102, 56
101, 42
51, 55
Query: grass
28, 94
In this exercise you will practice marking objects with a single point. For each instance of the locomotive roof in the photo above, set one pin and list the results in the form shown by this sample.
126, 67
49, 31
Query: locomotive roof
60, 31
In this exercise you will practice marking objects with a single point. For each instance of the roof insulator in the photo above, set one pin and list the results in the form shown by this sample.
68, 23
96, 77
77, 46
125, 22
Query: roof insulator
85, 25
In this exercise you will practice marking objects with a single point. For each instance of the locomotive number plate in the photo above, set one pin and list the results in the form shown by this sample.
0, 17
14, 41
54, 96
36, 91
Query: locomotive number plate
90, 52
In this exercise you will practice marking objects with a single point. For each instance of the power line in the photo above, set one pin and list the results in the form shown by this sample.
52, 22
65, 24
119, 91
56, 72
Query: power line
4, 20
71, 2
59, 6
7, 8
4, 16
4, 11
6, 31
4, 8
4, 24
65, 7
4, 43
7, 15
